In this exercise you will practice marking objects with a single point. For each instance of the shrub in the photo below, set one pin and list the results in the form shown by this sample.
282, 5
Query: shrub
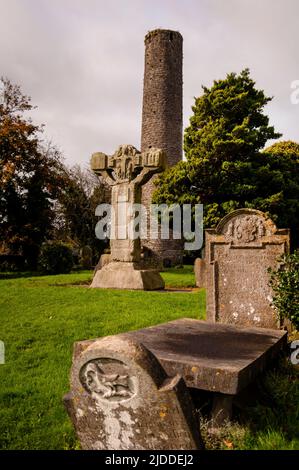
285, 284
11, 263
55, 258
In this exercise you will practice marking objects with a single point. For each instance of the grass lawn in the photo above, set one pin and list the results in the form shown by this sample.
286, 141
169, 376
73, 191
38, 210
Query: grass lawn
41, 317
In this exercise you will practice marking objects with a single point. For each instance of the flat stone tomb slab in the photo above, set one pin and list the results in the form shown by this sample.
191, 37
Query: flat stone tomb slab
212, 356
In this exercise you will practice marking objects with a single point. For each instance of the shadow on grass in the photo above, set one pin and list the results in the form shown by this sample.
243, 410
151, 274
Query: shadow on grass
72, 284
17, 275
26, 274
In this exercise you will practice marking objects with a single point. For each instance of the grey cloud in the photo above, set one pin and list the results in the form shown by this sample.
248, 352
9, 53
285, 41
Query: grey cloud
82, 60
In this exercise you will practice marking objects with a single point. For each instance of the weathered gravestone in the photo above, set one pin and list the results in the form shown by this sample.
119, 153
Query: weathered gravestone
86, 257
121, 398
126, 171
238, 253
200, 272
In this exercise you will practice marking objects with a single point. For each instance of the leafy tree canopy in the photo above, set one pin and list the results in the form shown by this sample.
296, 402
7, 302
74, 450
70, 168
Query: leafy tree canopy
29, 176
225, 167
75, 209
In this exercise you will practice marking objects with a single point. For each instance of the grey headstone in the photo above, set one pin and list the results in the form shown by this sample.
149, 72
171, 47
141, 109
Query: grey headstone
86, 257
121, 398
200, 272
238, 254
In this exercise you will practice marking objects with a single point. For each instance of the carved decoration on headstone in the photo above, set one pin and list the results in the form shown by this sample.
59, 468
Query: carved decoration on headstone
108, 379
245, 230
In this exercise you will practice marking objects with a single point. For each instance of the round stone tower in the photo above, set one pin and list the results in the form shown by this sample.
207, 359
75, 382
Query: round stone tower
162, 119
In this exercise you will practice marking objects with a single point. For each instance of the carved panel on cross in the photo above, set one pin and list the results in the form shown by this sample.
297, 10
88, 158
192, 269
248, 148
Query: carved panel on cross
127, 163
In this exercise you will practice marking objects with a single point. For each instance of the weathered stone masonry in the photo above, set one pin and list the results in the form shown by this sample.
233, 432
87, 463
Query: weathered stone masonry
163, 93
162, 116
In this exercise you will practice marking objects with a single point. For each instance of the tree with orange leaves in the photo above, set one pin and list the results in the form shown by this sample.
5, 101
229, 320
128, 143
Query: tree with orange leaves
30, 177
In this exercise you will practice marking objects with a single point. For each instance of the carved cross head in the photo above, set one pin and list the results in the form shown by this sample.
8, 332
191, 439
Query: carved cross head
128, 165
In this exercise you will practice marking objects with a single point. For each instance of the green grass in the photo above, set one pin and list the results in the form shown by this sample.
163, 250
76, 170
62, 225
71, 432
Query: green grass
41, 318
270, 419
183, 277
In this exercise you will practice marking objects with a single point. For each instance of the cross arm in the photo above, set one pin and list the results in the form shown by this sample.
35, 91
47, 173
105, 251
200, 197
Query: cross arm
100, 166
153, 161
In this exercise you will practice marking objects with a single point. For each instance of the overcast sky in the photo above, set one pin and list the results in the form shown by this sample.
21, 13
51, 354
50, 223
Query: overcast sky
81, 61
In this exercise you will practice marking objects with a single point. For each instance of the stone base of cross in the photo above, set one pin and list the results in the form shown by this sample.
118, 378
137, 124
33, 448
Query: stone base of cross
126, 171
122, 275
